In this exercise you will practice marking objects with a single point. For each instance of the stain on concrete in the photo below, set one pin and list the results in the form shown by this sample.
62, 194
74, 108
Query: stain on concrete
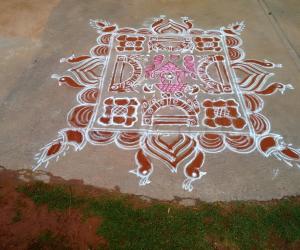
25, 18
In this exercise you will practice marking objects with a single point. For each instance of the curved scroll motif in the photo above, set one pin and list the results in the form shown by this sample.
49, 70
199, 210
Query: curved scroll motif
240, 143
128, 140
144, 168
171, 153
59, 146
99, 137
211, 143
192, 171
234, 42
89, 95
80, 116
272, 144
163, 26
260, 123
89, 71
254, 103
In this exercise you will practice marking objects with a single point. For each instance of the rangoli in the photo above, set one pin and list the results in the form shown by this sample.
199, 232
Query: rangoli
171, 92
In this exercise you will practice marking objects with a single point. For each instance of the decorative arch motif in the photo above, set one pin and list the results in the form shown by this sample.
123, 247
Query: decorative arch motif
125, 83
128, 95
208, 84
167, 26
150, 118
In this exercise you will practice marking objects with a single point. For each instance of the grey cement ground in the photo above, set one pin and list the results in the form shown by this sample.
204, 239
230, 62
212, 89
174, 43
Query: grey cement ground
35, 34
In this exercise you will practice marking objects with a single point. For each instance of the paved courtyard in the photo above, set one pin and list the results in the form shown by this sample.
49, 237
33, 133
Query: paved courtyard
164, 99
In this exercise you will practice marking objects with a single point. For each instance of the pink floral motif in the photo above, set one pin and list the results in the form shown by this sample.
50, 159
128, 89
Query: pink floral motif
172, 78
190, 65
119, 111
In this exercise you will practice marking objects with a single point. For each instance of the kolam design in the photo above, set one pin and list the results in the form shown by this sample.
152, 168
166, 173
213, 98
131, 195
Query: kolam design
171, 92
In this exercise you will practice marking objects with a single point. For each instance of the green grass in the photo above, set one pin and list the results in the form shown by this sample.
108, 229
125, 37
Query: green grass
17, 217
236, 225
55, 197
18, 214
47, 240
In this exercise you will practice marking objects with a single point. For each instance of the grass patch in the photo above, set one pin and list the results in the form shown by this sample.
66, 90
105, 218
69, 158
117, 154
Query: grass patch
17, 217
18, 213
56, 197
47, 240
235, 225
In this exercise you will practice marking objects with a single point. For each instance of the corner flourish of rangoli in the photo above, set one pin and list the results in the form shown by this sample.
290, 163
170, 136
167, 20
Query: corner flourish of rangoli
171, 92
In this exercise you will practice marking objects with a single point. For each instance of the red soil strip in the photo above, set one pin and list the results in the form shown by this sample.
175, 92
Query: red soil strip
22, 222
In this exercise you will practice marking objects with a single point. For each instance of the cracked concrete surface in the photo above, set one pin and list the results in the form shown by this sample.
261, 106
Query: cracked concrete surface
34, 35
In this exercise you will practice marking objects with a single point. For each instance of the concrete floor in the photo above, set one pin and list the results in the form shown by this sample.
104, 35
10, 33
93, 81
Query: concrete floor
34, 35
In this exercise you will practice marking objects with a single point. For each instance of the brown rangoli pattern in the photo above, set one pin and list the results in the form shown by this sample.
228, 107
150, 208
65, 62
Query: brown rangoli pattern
171, 92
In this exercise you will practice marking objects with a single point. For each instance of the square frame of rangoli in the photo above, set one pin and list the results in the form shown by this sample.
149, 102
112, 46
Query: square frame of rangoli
192, 56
